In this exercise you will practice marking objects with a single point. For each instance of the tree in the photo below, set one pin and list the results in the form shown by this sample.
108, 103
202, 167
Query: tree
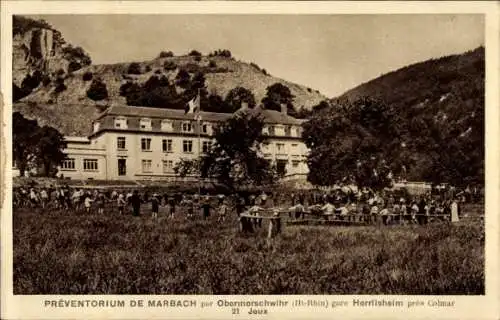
355, 142
237, 95
97, 90
235, 157
276, 95
49, 146
166, 54
134, 68
186, 167
183, 79
195, 53
24, 140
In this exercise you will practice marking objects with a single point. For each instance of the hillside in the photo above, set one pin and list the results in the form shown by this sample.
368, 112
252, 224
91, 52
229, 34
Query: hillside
440, 108
61, 90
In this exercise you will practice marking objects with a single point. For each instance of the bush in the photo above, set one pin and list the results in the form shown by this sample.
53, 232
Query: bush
97, 90
148, 69
221, 53
46, 81
212, 64
73, 66
157, 71
166, 54
87, 76
60, 86
195, 53
169, 65
60, 72
134, 68
197, 58
128, 87
255, 65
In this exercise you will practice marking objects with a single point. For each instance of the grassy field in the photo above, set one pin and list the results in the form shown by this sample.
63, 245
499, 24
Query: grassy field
60, 253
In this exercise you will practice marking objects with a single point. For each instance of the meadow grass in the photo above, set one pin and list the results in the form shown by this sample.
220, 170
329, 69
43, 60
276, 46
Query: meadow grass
61, 253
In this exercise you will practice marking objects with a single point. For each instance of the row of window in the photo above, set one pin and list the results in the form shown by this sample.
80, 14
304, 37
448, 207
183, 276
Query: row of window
147, 166
91, 165
166, 144
279, 130
88, 164
187, 126
166, 125
280, 147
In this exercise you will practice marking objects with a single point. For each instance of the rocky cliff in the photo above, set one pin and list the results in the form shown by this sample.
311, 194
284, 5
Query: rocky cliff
40, 55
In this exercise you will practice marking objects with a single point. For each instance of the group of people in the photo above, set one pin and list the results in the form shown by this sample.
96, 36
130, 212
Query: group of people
95, 200
366, 206
387, 209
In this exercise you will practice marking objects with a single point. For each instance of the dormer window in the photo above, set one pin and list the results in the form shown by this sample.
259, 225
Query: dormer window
166, 125
295, 131
279, 130
206, 128
121, 123
96, 126
265, 130
145, 124
187, 127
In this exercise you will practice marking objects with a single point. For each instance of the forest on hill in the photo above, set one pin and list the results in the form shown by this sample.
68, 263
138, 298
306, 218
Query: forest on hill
423, 122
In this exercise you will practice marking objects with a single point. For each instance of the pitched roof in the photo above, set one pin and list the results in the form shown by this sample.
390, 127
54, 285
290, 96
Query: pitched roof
148, 112
270, 116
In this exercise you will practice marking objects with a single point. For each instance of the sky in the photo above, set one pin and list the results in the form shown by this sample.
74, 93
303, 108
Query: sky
330, 53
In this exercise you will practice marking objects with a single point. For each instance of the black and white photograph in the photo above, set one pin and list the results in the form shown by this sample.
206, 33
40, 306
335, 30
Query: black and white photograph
248, 154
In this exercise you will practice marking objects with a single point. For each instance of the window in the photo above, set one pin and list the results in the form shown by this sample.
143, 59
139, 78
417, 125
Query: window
68, 164
146, 144
166, 125
122, 167
186, 127
121, 123
120, 143
295, 132
146, 166
207, 145
265, 130
280, 147
90, 164
96, 126
145, 124
206, 128
187, 146
281, 167
295, 147
279, 130
295, 163
168, 166
166, 145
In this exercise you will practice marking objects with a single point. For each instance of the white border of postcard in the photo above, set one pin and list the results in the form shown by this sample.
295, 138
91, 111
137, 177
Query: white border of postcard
464, 307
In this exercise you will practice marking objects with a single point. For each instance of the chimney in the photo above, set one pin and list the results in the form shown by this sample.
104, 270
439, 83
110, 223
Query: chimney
283, 108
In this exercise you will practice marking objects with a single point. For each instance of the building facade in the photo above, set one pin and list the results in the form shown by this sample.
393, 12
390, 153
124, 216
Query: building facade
141, 143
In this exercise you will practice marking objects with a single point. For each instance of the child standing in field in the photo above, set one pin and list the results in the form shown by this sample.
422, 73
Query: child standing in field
45, 197
155, 205
120, 203
88, 203
171, 206
100, 203
205, 207
222, 212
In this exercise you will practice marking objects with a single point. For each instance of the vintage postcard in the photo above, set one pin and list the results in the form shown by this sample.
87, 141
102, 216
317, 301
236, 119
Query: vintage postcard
250, 160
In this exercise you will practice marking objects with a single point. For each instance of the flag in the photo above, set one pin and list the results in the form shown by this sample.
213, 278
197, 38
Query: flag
193, 107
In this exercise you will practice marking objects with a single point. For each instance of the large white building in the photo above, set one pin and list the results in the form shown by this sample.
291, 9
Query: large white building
140, 143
